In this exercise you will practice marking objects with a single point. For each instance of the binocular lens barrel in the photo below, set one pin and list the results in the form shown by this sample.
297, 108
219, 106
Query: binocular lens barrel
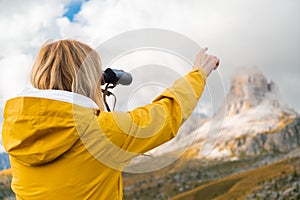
116, 76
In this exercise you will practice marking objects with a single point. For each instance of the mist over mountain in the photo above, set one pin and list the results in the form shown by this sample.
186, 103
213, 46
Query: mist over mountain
249, 88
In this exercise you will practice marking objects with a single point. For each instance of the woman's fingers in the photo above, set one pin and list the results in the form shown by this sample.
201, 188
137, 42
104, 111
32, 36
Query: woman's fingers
206, 61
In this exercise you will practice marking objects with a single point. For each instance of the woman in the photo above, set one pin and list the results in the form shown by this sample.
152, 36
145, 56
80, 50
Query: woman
61, 142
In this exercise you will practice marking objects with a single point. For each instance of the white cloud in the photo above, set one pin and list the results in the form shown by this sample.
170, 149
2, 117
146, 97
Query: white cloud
24, 27
27, 25
14, 73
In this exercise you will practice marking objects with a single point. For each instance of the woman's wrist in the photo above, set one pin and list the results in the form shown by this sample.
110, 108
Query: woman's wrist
202, 71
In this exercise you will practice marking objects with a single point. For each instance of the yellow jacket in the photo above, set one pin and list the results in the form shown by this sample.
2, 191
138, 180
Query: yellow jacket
59, 150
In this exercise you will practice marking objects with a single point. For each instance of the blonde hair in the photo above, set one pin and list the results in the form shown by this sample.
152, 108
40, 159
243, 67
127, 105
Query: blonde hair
69, 65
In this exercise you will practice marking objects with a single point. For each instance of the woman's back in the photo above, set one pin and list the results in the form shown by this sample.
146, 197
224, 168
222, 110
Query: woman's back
49, 160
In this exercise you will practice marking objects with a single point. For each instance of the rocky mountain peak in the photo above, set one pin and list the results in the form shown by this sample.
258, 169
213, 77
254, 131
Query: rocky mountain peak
249, 88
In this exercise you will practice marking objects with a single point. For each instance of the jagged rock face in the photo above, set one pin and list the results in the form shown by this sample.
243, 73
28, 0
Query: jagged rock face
249, 87
283, 141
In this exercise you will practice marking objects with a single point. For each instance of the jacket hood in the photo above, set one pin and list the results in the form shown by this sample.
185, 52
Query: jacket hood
38, 130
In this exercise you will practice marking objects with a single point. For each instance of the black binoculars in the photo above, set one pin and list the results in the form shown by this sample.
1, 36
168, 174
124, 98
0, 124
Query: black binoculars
116, 76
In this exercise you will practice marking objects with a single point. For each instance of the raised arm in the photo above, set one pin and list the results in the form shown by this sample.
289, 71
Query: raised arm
147, 127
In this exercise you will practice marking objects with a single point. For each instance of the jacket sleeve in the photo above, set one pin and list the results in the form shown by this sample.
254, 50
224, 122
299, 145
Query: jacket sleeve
147, 127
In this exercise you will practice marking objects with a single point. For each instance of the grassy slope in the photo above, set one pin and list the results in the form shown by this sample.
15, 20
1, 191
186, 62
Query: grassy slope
237, 186
143, 186
5, 179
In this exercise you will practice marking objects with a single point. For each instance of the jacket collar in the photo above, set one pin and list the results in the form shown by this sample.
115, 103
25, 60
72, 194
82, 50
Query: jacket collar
60, 95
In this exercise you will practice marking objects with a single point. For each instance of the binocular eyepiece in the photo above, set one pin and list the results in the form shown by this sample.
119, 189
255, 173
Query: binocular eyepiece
116, 76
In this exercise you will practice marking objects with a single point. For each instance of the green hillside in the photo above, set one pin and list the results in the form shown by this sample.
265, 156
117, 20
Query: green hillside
240, 186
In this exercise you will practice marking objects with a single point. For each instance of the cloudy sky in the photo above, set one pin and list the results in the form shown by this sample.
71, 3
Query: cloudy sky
252, 33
